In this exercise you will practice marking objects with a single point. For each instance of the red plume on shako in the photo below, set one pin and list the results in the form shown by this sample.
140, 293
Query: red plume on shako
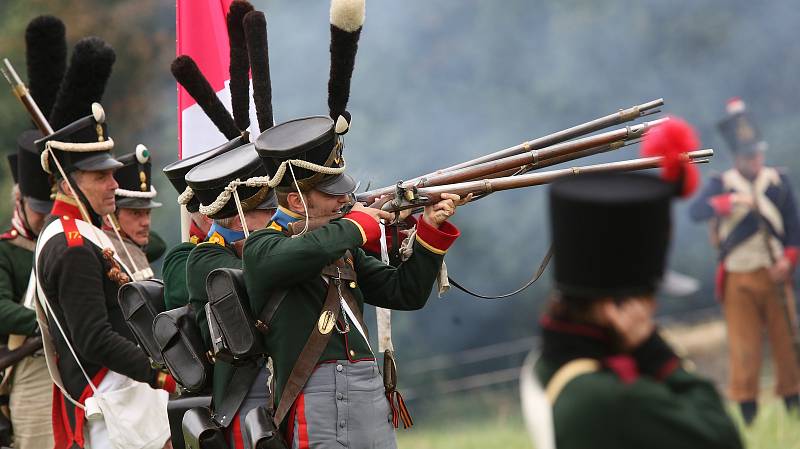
672, 140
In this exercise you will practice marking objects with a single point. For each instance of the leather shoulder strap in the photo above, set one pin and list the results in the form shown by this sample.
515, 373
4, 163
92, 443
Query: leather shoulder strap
313, 349
567, 373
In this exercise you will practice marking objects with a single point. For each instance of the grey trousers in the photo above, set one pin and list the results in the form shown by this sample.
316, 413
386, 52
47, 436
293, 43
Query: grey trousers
259, 395
343, 405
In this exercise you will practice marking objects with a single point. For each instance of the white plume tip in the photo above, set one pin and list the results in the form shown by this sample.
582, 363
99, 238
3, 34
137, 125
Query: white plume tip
348, 15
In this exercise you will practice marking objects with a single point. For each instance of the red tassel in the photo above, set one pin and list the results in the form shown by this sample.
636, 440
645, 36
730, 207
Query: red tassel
671, 140
399, 411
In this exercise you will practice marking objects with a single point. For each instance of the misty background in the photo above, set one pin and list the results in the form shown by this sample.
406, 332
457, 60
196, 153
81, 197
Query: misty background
440, 82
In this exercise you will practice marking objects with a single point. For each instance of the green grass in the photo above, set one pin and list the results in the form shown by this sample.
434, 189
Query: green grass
494, 421
773, 428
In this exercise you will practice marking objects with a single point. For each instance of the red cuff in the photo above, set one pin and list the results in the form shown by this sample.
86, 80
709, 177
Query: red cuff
721, 203
369, 228
791, 253
374, 246
435, 240
169, 384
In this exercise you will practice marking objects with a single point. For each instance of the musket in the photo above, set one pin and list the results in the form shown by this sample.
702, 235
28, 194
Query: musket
24, 96
415, 197
527, 161
622, 116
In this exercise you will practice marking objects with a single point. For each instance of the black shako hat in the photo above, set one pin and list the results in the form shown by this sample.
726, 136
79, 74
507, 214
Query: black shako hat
135, 189
209, 180
34, 182
739, 130
176, 171
311, 139
12, 166
610, 233
82, 145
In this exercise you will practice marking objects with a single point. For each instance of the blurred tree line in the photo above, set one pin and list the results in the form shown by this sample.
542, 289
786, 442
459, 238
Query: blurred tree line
440, 82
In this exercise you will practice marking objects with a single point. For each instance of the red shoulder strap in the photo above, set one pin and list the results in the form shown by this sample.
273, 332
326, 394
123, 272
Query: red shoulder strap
71, 232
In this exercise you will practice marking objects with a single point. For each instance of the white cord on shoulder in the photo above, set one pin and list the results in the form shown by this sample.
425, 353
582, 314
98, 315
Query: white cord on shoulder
137, 194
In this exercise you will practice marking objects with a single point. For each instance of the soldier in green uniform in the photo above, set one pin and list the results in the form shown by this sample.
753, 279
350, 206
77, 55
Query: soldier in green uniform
28, 381
611, 380
173, 271
348, 405
235, 390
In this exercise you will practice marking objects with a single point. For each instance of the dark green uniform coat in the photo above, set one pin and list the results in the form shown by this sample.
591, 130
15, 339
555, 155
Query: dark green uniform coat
274, 261
176, 293
641, 400
16, 263
202, 260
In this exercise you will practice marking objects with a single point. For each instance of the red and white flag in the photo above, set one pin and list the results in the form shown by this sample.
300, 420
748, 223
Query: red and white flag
202, 34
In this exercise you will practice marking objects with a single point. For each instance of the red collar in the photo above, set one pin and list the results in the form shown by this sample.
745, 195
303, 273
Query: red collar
195, 231
65, 207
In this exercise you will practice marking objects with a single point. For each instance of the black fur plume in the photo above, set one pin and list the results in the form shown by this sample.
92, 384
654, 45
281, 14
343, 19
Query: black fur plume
46, 55
188, 75
344, 46
255, 28
239, 66
84, 83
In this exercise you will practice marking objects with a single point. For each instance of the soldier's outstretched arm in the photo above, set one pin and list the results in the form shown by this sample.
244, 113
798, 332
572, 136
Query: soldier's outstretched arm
83, 302
711, 202
408, 286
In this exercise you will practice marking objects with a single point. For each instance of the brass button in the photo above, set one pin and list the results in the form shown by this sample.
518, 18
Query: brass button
352, 353
353, 284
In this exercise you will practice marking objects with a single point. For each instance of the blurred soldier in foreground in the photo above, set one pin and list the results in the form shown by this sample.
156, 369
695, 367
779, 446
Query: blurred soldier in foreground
756, 230
139, 246
611, 380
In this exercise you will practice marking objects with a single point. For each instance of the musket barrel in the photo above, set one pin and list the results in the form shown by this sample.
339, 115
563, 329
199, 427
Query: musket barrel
485, 186
21, 92
622, 116
530, 160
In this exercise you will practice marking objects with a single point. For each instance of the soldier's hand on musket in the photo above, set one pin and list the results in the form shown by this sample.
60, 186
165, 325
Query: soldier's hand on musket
781, 270
438, 213
383, 199
376, 214
632, 320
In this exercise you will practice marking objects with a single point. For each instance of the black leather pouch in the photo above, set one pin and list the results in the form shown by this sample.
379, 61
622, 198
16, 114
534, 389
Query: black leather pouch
260, 428
231, 324
140, 302
200, 431
181, 345
178, 407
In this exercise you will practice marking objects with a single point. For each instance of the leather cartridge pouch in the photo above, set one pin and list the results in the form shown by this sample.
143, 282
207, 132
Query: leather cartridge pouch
178, 407
140, 302
261, 431
181, 345
231, 324
200, 431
